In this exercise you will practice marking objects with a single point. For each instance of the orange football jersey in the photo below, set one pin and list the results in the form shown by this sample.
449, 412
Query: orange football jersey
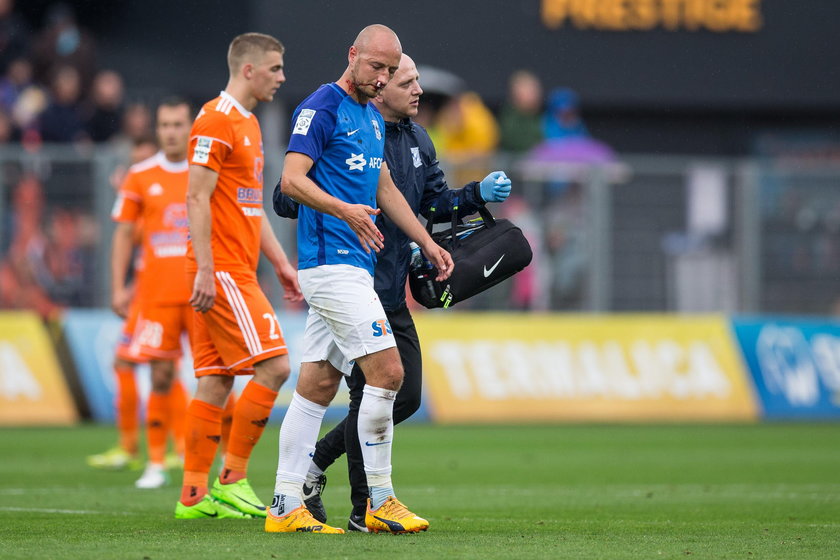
155, 192
227, 139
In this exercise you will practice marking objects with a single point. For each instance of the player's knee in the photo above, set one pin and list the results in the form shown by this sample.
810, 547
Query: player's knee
214, 389
391, 376
163, 373
327, 388
273, 372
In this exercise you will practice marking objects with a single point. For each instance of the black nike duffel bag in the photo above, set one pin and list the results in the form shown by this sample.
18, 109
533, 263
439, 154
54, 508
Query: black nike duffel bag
485, 251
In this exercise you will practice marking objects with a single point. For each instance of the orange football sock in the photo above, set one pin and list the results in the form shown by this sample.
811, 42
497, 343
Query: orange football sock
128, 424
203, 433
249, 420
227, 420
157, 426
177, 400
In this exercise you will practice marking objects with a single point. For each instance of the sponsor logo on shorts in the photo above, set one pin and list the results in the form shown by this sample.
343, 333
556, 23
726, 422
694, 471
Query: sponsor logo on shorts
381, 327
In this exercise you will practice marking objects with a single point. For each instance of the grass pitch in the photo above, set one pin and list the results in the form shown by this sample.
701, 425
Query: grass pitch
742, 491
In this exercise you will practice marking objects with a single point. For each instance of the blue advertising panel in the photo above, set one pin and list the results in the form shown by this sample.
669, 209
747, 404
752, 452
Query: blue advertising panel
795, 365
92, 336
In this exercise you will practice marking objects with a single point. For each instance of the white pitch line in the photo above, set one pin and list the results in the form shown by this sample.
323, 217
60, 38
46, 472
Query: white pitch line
51, 510
66, 511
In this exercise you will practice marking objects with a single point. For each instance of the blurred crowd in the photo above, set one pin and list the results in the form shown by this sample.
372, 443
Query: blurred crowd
52, 91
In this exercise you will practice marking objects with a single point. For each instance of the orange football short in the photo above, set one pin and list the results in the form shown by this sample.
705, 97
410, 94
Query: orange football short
240, 329
159, 330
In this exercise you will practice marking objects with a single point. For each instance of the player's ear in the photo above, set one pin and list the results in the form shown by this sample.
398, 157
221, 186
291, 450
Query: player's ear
352, 54
248, 70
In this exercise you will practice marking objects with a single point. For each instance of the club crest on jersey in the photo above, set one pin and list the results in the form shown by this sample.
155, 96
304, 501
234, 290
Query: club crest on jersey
303, 121
381, 327
376, 129
415, 156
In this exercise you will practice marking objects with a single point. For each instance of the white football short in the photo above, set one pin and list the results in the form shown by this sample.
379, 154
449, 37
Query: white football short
346, 319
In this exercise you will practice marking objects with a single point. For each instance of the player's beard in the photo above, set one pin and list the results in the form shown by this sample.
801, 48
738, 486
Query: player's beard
363, 89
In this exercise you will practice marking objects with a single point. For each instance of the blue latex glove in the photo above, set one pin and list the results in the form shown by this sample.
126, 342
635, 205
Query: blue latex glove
495, 187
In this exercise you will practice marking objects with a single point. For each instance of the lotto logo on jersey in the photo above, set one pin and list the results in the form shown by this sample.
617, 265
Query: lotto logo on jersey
357, 162
303, 121
201, 154
381, 327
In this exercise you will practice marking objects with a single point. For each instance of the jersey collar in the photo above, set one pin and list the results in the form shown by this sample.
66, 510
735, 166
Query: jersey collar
245, 112
172, 166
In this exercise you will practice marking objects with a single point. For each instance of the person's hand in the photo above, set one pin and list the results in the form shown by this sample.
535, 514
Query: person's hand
121, 300
287, 275
495, 187
441, 259
204, 291
357, 217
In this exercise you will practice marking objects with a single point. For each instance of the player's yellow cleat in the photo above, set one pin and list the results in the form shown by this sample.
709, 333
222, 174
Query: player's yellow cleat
208, 508
298, 521
115, 459
239, 495
393, 517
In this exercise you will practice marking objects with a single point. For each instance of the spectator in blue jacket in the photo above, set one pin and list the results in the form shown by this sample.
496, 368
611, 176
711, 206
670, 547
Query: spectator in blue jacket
413, 163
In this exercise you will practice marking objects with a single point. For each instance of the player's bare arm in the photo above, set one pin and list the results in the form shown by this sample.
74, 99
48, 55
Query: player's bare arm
122, 247
297, 185
286, 273
202, 183
393, 203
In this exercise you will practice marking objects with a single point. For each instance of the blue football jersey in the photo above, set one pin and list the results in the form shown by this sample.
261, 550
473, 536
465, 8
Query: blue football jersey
346, 142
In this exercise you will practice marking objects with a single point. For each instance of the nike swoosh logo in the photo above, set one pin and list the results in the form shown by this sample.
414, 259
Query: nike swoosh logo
369, 444
258, 506
352, 132
208, 514
492, 268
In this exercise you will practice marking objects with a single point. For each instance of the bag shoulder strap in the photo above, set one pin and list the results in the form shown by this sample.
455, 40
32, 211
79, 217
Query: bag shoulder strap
454, 223
486, 216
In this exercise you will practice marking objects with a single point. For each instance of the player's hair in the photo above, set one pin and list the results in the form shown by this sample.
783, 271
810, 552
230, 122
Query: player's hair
244, 47
176, 101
